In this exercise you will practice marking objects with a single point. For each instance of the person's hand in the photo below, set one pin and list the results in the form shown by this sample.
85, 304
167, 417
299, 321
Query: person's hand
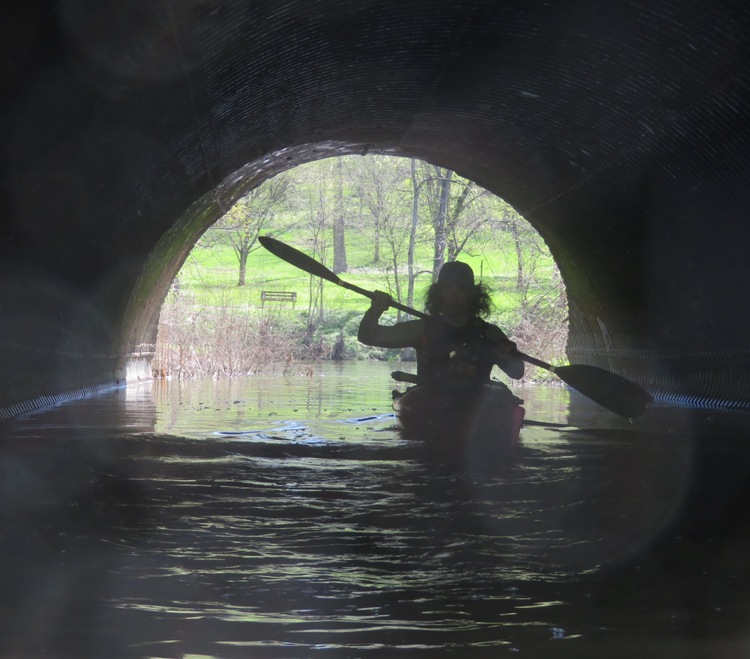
506, 347
508, 359
380, 301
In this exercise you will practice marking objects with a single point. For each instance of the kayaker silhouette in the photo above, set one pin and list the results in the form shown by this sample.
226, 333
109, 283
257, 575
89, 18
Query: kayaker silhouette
456, 348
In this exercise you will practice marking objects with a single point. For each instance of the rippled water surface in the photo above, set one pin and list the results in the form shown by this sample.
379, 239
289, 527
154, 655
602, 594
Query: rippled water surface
283, 516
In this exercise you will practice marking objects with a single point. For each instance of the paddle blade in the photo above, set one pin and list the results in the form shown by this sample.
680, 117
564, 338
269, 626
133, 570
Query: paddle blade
612, 391
297, 258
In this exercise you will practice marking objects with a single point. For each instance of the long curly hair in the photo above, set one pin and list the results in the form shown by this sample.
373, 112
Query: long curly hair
480, 302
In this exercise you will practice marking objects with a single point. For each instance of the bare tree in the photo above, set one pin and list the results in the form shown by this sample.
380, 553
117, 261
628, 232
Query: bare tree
318, 217
472, 211
379, 183
527, 243
458, 210
439, 191
384, 186
396, 238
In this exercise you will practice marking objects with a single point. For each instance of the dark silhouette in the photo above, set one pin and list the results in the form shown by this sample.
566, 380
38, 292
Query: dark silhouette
456, 348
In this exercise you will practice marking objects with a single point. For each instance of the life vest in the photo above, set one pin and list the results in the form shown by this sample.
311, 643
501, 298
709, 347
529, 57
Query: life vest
455, 358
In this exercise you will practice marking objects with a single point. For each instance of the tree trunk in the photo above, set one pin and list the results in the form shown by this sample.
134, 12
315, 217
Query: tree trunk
413, 234
339, 237
242, 255
397, 286
376, 242
441, 223
520, 275
339, 246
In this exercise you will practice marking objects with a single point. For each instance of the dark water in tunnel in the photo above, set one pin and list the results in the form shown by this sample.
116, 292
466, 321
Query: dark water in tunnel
284, 517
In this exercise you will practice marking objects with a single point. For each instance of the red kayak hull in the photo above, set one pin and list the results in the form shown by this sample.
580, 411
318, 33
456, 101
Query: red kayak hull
489, 419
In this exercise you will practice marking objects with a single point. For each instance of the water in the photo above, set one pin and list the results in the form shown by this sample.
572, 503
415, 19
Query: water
282, 516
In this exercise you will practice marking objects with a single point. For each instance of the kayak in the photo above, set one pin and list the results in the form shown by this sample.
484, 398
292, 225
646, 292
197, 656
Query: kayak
488, 419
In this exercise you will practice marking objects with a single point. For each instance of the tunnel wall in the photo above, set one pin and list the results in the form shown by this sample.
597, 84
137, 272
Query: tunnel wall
619, 131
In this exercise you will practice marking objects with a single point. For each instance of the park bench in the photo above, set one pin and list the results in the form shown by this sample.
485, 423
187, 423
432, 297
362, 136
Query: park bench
278, 296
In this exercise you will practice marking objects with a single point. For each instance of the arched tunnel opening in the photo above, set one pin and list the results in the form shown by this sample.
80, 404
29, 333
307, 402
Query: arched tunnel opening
374, 220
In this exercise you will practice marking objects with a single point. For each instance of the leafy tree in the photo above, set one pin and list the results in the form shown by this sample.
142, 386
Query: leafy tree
379, 183
241, 225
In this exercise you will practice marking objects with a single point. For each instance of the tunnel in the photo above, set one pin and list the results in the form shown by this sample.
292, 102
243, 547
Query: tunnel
619, 130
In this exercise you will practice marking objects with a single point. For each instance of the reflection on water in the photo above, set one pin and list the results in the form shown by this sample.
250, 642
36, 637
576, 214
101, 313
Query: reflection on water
284, 517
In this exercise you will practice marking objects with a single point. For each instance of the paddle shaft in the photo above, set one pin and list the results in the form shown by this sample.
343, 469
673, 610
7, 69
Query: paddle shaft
370, 294
536, 362
317, 269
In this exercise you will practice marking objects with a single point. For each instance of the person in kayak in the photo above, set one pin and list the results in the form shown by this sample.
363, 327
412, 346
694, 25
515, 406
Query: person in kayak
456, 348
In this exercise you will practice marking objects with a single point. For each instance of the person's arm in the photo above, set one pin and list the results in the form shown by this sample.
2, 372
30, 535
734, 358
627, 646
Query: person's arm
400, 335
506, 353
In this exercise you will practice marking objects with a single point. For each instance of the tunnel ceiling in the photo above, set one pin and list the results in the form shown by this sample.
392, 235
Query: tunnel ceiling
619, 130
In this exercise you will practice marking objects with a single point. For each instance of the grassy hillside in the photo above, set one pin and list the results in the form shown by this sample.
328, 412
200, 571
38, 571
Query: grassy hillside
211, 276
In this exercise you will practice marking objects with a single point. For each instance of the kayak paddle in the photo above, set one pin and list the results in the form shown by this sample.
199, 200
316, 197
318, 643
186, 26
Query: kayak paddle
308, 264
616, 393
